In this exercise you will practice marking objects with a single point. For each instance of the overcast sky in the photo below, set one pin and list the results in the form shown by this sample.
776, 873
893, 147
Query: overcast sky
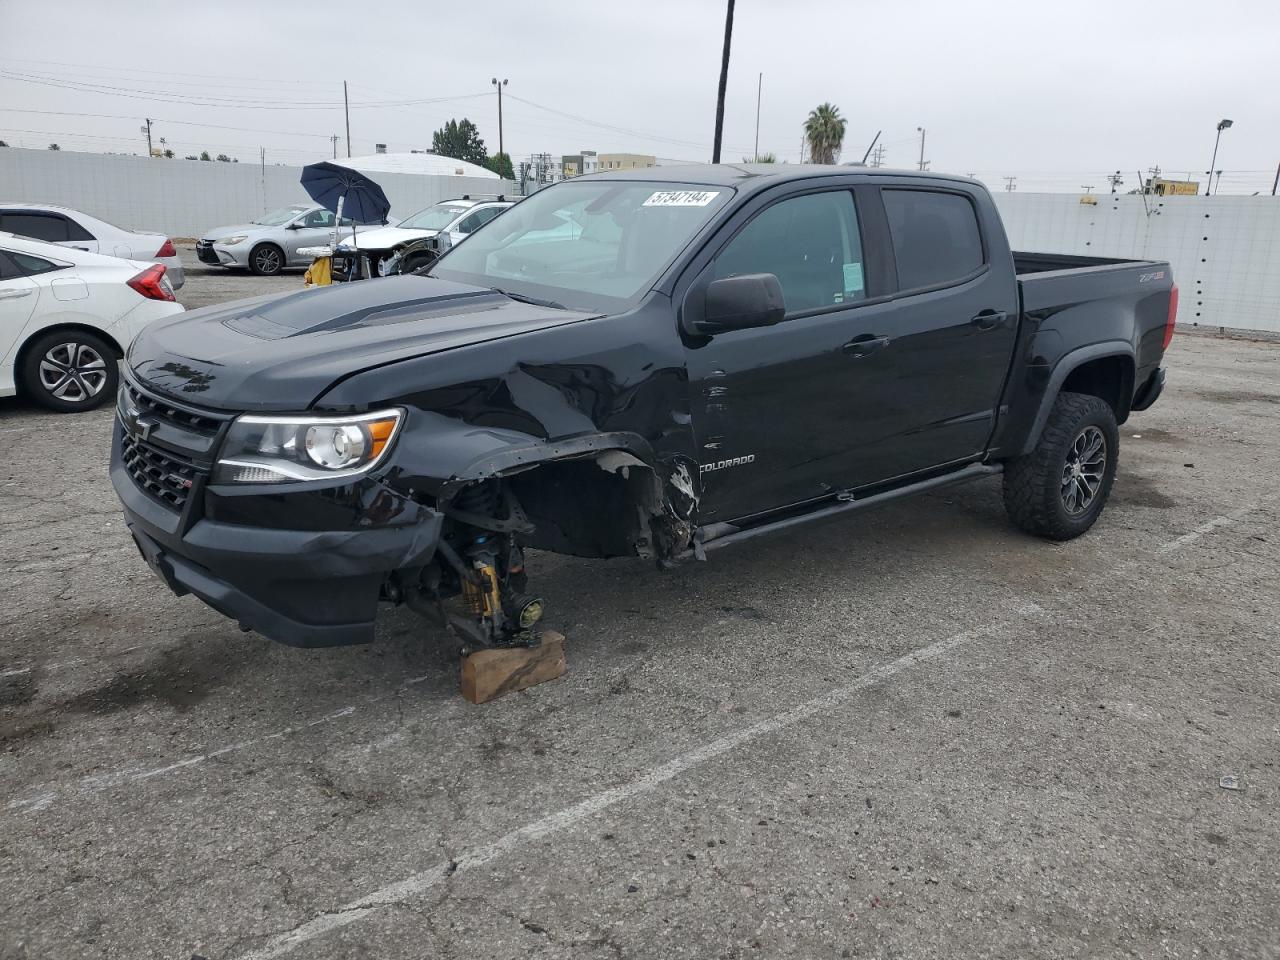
1057, 94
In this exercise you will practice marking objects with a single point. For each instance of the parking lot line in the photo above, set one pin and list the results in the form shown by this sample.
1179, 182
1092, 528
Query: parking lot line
421, 882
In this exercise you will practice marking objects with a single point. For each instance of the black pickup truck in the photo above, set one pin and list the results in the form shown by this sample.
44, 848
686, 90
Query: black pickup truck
654, 362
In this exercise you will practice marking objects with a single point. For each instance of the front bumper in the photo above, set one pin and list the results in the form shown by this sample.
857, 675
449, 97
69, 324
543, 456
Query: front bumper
302, 587
218, 256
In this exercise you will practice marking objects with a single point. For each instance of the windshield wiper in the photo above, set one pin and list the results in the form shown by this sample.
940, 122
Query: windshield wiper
533, 300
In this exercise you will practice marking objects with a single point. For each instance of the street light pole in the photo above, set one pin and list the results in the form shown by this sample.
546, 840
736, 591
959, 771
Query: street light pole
921, 132
494, 81
1222, 125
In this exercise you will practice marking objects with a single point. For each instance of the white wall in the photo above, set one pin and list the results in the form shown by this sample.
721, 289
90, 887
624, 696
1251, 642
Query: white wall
1224, 251
183, 198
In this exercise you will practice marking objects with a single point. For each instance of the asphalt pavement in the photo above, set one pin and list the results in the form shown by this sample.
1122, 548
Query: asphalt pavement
913, 733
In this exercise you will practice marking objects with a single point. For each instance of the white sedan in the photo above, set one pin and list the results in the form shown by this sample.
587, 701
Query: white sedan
66, 318
71, 228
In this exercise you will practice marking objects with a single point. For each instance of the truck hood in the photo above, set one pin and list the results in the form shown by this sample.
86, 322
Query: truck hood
283, 352
384, 238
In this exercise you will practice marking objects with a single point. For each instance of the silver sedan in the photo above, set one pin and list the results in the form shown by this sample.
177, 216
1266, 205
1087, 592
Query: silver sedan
271, 242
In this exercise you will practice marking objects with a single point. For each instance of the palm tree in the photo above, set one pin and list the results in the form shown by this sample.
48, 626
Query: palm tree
824, 133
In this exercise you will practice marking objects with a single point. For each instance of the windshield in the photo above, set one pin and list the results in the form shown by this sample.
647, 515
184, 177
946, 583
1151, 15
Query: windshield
587, 244
435, 218
278, 217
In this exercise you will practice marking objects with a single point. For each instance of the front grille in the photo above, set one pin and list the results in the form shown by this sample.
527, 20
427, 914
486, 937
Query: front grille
178, 416
206, 253
165, 476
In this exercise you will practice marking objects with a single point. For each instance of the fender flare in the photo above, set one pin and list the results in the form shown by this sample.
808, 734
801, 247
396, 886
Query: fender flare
1065, 366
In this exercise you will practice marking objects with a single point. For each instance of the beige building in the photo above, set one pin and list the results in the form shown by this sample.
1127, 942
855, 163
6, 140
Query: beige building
626, 161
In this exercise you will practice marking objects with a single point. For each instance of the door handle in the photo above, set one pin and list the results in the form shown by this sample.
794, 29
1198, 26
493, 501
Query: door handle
866, 344
14, 294
989, 319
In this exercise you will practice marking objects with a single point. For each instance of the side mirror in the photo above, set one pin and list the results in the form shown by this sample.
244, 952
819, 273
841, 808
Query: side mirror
742, 302
293, 226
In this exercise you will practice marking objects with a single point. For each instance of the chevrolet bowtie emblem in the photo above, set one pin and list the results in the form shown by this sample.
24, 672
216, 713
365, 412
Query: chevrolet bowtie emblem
145, 427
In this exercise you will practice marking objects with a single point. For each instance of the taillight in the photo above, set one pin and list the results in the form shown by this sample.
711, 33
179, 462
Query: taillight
167, 250
1173, 316
151, 283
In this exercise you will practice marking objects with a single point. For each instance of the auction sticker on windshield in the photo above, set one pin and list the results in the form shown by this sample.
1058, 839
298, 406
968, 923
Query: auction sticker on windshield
681, 198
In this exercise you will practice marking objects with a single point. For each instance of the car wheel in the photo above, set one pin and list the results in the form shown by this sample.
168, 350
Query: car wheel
266, 260
416, 262
1059, 489
70, 371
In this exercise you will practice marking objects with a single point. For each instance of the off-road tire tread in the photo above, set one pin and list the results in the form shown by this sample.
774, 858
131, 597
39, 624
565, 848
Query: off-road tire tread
1030, 483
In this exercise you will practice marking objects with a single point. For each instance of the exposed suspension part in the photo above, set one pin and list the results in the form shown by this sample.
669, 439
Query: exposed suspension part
486, 564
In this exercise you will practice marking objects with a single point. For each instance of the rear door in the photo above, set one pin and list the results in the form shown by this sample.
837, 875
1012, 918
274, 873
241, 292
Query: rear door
950, 334
18, 296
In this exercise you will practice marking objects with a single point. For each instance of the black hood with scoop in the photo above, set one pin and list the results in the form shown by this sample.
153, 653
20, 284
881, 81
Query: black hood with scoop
282, 352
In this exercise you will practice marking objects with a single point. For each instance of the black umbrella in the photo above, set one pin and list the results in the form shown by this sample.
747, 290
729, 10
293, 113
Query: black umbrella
330, 184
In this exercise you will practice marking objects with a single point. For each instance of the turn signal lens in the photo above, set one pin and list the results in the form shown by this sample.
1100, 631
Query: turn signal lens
380, 434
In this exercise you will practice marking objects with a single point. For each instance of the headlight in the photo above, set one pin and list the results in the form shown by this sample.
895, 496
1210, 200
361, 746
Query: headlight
295, 449
231, 241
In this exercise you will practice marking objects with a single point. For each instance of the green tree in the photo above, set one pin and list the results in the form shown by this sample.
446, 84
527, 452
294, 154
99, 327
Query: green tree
824, 133
54, 146
3, 144
204, 155
761, 158
222, 158
168, 153
190, 156
500, 163
460, 140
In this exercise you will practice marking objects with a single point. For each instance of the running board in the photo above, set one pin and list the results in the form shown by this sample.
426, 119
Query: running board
717, 535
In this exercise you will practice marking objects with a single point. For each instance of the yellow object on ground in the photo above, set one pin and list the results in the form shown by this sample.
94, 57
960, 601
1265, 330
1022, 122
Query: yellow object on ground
319, 274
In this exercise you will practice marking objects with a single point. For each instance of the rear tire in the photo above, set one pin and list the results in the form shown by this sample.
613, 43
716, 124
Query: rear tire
70, 371
266, 260
1059, 489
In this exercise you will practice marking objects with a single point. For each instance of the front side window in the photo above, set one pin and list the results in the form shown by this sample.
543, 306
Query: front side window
935, 236
38, 226
588, 245
320, 218
810, 243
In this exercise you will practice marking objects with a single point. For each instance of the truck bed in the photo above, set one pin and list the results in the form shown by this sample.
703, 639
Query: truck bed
1026, 263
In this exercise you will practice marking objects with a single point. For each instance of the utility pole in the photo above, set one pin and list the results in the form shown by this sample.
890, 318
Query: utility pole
1276, 182
923, 165
724, 82
877, 158
1115, 180
147, 131
1087, 187
1010, 184
346, 109
334, 140
759, 90
495, 82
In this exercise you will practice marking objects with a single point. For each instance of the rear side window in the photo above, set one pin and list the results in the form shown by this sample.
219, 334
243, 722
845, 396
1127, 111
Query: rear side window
8, 269
28, 265
38, 226
810, 243
935, 236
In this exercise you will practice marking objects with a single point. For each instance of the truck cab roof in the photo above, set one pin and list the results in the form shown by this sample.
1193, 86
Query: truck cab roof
762, 175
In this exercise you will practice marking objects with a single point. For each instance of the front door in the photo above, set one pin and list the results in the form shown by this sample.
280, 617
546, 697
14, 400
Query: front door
772, 406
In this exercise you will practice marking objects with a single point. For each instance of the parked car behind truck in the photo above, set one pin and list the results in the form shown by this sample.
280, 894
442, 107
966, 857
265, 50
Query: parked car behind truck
712, 353
66, 317
80, 231
273, 241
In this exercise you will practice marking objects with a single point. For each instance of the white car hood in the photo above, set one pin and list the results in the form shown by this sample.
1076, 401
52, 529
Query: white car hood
384, 238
